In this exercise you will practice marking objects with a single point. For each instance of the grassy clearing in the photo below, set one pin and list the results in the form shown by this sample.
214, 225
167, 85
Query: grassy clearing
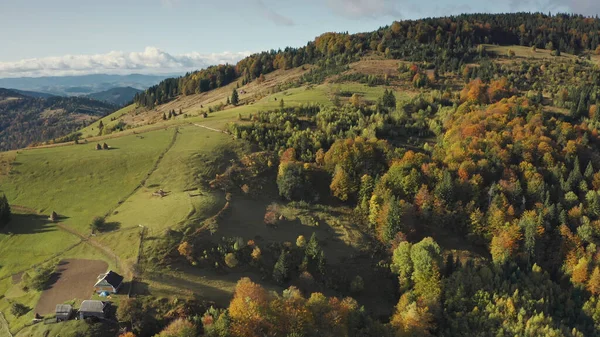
6, 160
69, 328
30, 239
92, 129
198, 154
190, 282
79, 182
527, 52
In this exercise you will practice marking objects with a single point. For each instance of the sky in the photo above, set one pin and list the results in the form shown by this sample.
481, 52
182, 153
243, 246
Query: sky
72, 37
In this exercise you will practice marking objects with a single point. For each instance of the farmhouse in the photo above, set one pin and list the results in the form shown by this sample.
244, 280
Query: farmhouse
110, 282
63, 312
91, 308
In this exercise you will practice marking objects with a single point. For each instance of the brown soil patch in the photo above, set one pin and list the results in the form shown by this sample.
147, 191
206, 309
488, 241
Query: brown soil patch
75, 278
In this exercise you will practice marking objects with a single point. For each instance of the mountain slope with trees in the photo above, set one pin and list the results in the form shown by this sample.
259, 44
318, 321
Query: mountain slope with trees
116, 96
435, 177
25, 120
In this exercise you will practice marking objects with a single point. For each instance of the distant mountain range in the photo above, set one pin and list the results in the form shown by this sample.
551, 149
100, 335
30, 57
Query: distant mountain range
81, 85
117, 96
25, 119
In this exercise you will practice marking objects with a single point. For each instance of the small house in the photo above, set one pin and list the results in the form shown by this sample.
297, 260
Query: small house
63, 312
92, 308
110, 283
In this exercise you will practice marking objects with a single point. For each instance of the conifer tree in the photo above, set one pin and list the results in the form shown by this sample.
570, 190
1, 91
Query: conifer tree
235, 99
4, 211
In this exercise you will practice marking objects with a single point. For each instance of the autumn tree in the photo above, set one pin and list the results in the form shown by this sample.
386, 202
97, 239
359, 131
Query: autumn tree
186, 250
179, 328
355, 100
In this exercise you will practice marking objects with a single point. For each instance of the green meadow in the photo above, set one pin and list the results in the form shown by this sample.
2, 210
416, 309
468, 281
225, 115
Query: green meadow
78, 181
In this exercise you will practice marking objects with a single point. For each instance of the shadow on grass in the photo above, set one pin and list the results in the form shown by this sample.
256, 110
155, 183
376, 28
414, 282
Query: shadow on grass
28, 224
110, 226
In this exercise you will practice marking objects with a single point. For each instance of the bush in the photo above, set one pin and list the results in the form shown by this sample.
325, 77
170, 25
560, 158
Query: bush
18, 309
37, 278
230, 260
97, 224
357, 285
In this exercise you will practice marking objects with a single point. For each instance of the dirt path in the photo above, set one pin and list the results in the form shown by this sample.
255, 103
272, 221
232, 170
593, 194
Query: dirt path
211, 129
74, 278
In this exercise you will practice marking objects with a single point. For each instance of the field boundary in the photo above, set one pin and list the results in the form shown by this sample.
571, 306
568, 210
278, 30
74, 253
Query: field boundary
4, 323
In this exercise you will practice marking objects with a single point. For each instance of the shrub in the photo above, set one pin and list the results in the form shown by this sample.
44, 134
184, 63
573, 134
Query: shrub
357, 285
18, 309
37, 278
270, 218
230, 260
301, 241
97, 224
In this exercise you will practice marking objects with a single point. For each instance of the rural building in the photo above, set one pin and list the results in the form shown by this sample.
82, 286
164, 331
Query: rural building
91, 308
110, 282
63, 312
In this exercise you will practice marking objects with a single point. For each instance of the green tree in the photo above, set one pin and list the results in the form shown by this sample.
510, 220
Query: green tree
5, 212
293, 182
97, 224
402, 264
235, 98
393, 222
426, 259
313, 248
281, 271
389, 99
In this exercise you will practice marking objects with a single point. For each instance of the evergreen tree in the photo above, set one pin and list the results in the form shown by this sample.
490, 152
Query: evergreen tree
235, 98
393, 222
389, 99
281, 270
313, 248
4, 211
589, 170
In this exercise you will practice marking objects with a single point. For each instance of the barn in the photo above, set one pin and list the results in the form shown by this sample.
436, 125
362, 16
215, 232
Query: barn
63, 312
91, 308
109, 282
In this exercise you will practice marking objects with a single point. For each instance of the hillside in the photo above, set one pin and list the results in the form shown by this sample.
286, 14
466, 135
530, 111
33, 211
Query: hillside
116, 96
25, 120
435, 177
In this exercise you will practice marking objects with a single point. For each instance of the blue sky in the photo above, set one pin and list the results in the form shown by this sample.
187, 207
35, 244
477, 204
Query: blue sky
44, 37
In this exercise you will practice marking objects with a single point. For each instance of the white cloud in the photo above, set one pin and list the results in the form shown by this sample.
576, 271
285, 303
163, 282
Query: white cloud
364, 8
151, 61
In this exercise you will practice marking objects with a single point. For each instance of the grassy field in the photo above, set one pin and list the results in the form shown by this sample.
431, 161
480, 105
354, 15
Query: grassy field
527, 52
79, 182
195, 158
30, 239
64, 329
92, 129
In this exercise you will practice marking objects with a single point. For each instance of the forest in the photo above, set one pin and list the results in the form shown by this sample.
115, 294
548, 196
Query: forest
448, 43
473, 178
26, 120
